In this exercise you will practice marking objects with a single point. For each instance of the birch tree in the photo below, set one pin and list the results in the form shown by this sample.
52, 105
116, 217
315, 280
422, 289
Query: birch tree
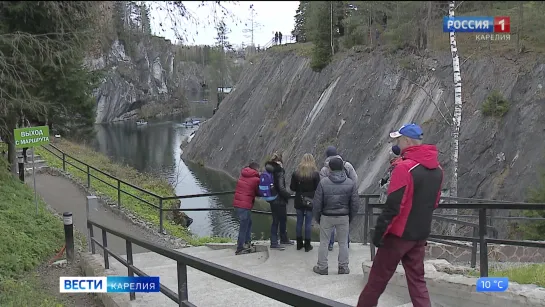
457, 116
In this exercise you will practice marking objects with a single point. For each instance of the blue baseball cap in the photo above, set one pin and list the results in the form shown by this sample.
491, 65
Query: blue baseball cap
412, 131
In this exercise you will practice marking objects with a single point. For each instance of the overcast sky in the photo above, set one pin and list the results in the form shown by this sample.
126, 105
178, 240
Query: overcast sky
272, 16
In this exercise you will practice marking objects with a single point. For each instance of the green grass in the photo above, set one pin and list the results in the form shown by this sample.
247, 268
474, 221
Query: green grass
530, 274
27, 239
302, 49
145, 181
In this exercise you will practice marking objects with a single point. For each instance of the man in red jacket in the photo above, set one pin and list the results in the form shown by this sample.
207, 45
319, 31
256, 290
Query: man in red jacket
245, 193
404, 225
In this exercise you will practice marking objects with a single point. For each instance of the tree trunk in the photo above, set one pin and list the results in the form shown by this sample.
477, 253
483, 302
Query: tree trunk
11, 124
457, 117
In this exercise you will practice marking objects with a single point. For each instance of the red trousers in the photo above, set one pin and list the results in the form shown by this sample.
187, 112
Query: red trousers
411, 254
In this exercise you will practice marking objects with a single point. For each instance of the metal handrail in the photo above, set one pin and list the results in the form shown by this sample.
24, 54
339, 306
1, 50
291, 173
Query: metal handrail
161, 199
281, 293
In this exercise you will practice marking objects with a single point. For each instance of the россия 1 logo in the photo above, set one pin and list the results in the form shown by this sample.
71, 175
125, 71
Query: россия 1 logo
493, 28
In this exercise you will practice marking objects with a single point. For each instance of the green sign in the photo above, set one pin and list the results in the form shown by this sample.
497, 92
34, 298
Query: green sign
31, 137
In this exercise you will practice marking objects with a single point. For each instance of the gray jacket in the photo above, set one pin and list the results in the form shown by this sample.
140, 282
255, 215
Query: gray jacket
351, 172
336, 195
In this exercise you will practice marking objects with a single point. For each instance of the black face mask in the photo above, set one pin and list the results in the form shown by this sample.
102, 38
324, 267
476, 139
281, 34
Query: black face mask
396, 150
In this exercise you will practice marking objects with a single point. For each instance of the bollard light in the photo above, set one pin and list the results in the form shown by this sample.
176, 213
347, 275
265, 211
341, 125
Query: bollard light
68, 235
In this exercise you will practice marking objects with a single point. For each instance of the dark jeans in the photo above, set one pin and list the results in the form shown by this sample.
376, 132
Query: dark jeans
245, 230
303, 216
411, 254
332, 240
279, 219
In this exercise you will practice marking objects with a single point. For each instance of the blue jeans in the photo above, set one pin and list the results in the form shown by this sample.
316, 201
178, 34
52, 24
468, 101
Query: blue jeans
278, 225
305, 215
332, 240
245, 230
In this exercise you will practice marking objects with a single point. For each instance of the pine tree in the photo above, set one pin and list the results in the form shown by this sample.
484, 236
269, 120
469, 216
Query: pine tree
318, 22
299, 31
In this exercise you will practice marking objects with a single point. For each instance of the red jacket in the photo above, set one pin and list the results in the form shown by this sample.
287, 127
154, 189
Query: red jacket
246, 190
413, 194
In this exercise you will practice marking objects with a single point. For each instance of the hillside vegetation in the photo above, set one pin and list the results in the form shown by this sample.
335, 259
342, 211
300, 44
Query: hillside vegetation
414, 26
27, 239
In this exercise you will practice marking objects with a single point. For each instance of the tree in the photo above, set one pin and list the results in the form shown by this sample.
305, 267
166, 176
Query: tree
299, 31
41, 48
222, 41
252, 25
319, 33
457, 116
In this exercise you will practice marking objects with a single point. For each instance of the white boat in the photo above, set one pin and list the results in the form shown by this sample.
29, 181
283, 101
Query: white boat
141, 122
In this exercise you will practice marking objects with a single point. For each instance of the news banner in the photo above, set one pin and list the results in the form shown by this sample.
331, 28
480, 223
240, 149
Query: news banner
108, 284
118, 284
493, 28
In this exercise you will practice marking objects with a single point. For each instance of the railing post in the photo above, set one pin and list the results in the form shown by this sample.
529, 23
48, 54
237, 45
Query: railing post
182, 284
68, 236
130, 273
160, 215
22, 169
474, 249
483, 248
366, 220
88, 177
91, 204
372, 226
64, 162
104, 247
118, 193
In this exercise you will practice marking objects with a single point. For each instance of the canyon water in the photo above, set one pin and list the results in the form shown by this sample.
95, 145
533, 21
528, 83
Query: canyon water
155, 148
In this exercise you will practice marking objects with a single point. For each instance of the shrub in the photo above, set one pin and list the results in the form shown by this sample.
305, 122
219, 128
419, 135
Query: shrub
495, 105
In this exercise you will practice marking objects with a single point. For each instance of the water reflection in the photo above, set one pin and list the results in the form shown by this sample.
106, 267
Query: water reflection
155, 148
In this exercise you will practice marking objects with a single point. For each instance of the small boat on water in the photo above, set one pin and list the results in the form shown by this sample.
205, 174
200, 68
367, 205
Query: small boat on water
141, 122
191, 123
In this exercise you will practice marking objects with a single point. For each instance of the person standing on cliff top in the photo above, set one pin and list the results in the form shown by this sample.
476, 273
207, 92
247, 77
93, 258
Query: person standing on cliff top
280, 37
404, 225
275, 38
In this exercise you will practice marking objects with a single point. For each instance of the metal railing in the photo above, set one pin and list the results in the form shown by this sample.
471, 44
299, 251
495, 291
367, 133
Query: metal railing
480, 229
281, 293
480, 237
160, 200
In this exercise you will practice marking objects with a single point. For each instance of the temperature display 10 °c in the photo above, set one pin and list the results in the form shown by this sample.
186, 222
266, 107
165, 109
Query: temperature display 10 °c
492, 284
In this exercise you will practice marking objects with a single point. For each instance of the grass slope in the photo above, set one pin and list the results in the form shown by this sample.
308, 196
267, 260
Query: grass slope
27, 239
108, 187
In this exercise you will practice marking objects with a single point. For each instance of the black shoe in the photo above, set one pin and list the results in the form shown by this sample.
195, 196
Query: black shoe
242, 251
308, 246
299, 243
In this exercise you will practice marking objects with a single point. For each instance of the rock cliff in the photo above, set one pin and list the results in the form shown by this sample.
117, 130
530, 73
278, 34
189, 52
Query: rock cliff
281, 104
145, 75
151, 76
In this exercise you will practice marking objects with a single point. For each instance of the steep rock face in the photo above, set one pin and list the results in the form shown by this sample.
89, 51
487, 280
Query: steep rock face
150, 76
280, 104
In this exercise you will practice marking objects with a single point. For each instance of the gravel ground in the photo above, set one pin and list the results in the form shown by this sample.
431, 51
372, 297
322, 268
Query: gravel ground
48, 277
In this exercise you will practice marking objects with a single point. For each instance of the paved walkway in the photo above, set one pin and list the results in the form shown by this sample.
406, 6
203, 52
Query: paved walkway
63, 195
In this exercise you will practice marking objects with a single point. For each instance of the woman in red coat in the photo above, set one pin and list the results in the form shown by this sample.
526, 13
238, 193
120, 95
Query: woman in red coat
245, 193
